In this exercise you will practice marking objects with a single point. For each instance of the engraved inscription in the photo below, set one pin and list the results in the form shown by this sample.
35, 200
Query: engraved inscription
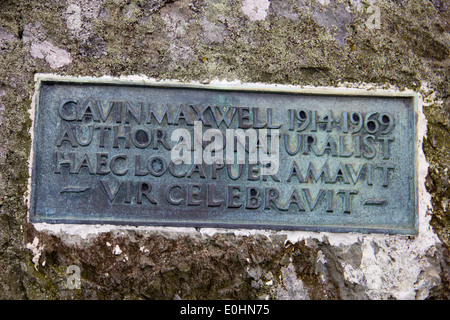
195, 157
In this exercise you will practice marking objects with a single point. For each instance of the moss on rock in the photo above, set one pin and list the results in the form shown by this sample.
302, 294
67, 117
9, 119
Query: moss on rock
298, 42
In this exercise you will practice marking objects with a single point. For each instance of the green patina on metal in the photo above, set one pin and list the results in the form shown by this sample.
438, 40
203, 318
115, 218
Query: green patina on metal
102, 154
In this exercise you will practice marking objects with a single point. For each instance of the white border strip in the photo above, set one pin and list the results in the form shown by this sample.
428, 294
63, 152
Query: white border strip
88, 230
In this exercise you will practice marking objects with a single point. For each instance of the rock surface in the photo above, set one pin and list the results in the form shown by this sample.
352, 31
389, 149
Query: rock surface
296, 42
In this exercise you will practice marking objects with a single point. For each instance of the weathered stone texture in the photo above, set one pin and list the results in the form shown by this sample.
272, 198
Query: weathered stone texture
298, 42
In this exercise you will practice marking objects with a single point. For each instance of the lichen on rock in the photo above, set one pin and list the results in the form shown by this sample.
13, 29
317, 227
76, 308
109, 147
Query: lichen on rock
295, 42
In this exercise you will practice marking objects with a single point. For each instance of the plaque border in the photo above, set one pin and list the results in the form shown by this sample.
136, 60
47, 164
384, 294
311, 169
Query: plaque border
227, 86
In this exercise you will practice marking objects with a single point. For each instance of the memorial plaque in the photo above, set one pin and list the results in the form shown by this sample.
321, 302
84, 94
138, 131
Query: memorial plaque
131, 153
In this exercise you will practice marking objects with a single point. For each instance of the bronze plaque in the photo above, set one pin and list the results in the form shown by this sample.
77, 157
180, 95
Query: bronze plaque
131, 153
